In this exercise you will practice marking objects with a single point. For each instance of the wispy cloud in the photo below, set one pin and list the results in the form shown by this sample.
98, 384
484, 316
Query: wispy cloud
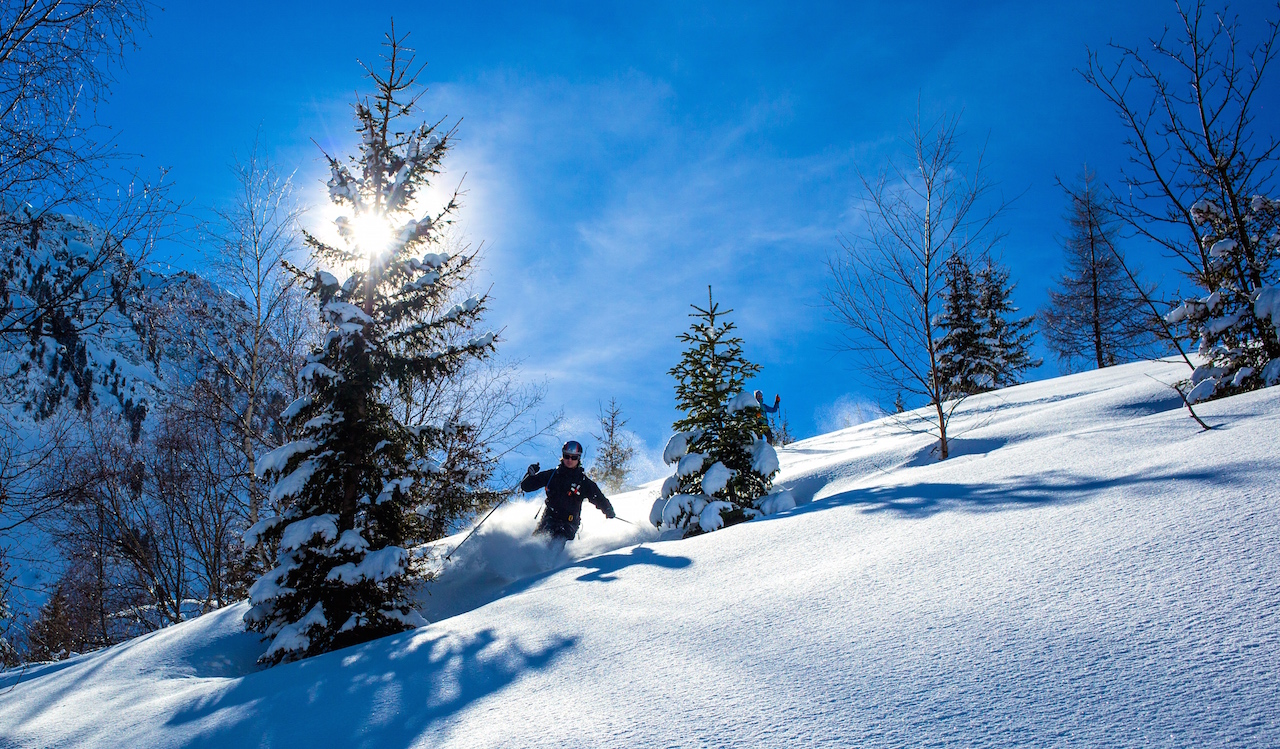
605, 214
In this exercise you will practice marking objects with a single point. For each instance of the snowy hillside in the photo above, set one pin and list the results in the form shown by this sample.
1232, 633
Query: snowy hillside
1089, 570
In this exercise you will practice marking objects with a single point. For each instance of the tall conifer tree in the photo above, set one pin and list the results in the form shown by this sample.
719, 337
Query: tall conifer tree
353, 485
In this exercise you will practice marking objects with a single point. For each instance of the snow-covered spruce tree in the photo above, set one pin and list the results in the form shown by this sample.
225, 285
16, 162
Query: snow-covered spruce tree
352, 484
1237, 325
724, 466
962, 349
1094, 315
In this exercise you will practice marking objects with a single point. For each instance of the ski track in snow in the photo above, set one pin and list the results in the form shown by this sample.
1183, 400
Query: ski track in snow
1087, 570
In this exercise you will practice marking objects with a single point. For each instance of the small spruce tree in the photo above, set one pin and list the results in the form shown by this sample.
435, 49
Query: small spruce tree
724, 466
1005, 338
962, 348
612, 466
353, 486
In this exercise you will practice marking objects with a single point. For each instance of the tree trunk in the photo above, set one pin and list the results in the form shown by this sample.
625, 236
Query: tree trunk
943, 450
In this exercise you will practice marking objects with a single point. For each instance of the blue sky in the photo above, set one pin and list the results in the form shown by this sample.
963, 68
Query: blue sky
621, 157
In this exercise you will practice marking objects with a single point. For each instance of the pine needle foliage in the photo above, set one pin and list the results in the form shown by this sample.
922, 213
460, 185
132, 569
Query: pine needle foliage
984, 346
357, 486
962, 348
1006, 338
1236, 327
711, 372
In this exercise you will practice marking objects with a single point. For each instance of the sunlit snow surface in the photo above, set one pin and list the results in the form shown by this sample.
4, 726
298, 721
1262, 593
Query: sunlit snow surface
1089, 570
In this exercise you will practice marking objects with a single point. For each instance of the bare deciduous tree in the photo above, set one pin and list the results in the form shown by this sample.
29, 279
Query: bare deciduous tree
196, 473
114, 519
1200, 164
56, 65
887, 283
499, 415
251, 239
57, 59
782, 435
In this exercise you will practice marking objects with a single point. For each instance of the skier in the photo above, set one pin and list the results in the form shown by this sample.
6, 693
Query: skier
765, 410
567, 485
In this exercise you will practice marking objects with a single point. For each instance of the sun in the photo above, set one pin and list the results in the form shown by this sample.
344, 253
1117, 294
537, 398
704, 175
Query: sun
372, 233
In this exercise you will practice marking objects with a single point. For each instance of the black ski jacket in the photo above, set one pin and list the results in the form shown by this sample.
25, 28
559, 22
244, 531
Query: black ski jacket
566, 488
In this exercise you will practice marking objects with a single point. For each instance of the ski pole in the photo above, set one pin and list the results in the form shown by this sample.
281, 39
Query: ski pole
509, 495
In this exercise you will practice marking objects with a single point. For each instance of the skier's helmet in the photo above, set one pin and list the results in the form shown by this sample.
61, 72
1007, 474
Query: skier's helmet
759, 396
572, 449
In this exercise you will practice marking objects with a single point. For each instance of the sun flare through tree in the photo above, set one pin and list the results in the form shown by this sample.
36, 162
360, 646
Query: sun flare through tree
357, 487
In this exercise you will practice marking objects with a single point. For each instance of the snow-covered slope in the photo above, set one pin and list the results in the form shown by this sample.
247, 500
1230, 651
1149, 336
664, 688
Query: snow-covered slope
1088, 571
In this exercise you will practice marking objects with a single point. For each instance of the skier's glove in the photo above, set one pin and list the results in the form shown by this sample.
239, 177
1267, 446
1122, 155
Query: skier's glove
533, 469
609, 513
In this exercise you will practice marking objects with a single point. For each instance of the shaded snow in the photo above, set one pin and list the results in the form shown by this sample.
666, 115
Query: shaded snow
1089, 570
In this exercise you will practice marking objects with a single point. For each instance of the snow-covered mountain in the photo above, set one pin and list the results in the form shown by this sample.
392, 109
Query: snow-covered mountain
85, 327
87, 332
1088, 570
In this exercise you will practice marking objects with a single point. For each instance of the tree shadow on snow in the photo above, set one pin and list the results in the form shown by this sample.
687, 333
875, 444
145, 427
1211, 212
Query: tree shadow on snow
925, 499
1157, 404
477, 591
603, 568
957, 447
382, 694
